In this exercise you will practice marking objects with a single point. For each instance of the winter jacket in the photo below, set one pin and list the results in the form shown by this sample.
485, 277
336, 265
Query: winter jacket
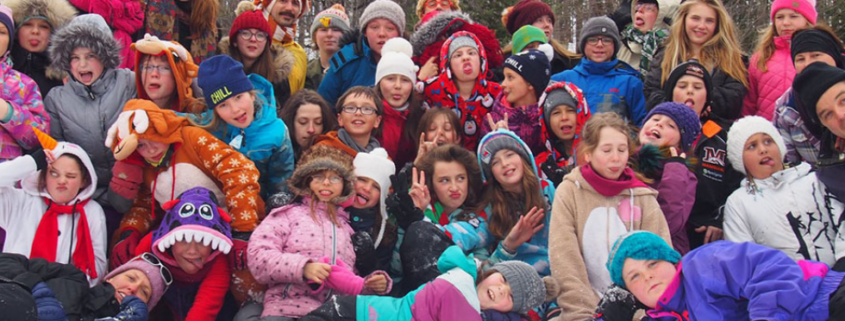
314, 74
68, 283
522, 120
400, 148
726, 98
170, 20
467, 230
23, 208
553, 146
353, 65
332, 139
790, 211
728, 281
25, 110
71, 108
630, 51
764, 88
717, 178
801, 144
831, 167
429, 37
442, 92
36, 66
675, 184
124, 17
293, 236
283, 64
451, 296
609, 86
584, 224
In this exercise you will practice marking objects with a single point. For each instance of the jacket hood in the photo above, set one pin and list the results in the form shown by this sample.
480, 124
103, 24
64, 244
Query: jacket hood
582, 115
666, 10
266, 130
196, 215
444, 54
491, 135
320, 158
777, 179
283, 59
611, 68
181, 64
30, 183
429, 38
577, 178
142, 119
84, 33
57, 12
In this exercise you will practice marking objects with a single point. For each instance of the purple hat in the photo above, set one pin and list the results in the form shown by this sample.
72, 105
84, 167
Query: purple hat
688, 123
146, 263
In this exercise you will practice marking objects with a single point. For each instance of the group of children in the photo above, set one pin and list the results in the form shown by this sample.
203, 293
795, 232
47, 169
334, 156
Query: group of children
410, 184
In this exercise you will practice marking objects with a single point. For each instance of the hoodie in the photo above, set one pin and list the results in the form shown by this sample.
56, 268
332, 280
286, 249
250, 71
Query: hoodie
182, 69
610, 86
554, 147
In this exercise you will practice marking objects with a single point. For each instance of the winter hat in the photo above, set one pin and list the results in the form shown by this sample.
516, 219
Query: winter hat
396, 60
222, 77
386, 9
688, 123
195, 215
320, 158
744, 128
533, 66
806, 8
181, 65
55, 13
554, 97
142, 119
86, 31
460, 42
454, 5
807, 40
690, 68
809, 86
526, 35
249, 19
153, 272
525, 12
17, 302
333, 17
599, 26
377, 166
638, 245
495, 141
527, 288
6, 19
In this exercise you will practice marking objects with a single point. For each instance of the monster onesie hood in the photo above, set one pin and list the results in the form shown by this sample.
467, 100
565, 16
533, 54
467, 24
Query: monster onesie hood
194, 216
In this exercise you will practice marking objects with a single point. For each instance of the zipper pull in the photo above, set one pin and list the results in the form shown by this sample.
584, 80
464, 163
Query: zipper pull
90, 93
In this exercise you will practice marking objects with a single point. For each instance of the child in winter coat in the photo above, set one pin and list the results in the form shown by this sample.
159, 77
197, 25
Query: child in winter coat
597, 202
435, 28
462, 85
307, 115
667, 135
125, 18
243, 113
359, 114
192, 240
37, 20
326, 29
308, 242
508, 290
164, 72
770, 71
526, 77
55, 181
787, 209
564, 113
609, 84
368, 213
21, 107
646, 33
719, 281
361, 50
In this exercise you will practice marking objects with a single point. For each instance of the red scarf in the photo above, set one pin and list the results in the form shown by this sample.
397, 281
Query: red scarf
47, 237
609, 187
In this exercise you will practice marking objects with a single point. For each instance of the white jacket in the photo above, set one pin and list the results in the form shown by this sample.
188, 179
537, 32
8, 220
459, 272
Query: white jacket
791, 212
21, 210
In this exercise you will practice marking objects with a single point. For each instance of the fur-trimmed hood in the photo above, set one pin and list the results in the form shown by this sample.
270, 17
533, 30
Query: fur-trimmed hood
88, 31
430, 36
57, 12
283, 59
582, 114
319, 158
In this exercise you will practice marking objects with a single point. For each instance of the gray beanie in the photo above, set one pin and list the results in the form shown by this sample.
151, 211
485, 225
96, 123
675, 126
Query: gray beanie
333, 17
599, 26
557, 97
86, 31
460, 42
527, 288
383, 9
495, 141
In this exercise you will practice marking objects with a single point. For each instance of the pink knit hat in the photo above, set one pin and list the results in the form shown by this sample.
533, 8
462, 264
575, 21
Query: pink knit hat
806, 8
151, 266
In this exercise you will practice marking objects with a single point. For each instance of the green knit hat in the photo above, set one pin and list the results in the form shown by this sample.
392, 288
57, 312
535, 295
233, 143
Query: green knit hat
526, 35
638, 245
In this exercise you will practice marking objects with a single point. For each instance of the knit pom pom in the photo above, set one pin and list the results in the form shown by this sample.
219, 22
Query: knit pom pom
552, 288
548, 50
399, 45
244, 6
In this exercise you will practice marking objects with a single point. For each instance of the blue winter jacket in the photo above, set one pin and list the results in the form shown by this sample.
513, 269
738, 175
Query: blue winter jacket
348, 68
609, 86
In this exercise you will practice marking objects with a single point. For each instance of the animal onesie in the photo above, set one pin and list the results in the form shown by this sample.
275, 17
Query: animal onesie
182, 67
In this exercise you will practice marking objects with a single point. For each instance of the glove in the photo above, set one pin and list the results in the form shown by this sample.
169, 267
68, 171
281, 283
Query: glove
622, 15
49, 308
343, 280
366, 261
617, 304
237, 257
554, 172
839, 266
126, 179
131, 309
400, 203
40, 158
124, 249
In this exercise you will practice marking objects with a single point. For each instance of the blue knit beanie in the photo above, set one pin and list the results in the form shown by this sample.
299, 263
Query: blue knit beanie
220, 78
638, 245
688, 123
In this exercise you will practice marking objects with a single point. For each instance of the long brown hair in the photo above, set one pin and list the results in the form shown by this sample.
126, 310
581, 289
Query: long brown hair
415, 111
263, 65
453, 153
203, 15
302, 97
504, 209
766, 45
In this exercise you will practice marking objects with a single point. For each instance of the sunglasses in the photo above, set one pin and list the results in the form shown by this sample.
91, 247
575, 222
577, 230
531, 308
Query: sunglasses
153, 260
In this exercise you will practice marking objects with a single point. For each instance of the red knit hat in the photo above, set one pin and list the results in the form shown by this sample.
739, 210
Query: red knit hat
250, 19
525, 12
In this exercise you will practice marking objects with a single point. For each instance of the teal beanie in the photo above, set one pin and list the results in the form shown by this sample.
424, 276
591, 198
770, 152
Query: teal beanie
638, 245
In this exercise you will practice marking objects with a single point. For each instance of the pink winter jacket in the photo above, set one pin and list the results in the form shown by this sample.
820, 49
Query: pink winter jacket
284, 242
26, 108
764, 88
124, 17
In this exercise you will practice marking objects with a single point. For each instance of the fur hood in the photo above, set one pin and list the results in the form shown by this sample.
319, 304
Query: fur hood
429, 38
283, 59
321, 158
57, 12
84, 32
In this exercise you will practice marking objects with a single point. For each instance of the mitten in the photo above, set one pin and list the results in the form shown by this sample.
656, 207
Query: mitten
131, 309
839, 266
40, 158
49, 308
124, 249
400, 203
237, 257
366, 261
554, 172
343, 280
126, 179
617, 304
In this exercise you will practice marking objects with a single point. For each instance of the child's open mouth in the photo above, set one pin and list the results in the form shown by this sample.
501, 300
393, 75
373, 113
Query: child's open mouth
358, 122
767, 161
639, 22
509, 172
241, 119
466, 68
689, 102
361, 199
566, 129
491, 295
654, 133
325, 193
86, 76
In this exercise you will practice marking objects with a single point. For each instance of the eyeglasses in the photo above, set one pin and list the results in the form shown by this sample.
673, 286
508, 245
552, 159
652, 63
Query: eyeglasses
595, 40
153, 260
322, 177
246, 35
646, 7
363, 110
434, 3
164, 70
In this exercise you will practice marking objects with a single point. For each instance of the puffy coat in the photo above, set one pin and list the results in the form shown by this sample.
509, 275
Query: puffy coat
26, 109
611, 86
764, 88
354, 65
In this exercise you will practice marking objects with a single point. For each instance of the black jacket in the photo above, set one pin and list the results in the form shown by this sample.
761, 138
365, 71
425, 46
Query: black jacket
34, 65
717, 179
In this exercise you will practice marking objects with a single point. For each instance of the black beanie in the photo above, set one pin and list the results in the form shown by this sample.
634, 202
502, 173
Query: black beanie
533, 66
817, 40
809, 86
690, 68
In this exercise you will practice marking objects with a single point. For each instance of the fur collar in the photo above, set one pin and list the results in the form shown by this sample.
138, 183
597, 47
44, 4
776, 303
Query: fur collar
429, 32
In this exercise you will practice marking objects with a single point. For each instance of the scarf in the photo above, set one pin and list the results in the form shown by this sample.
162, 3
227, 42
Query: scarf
344, 137
607, 187
649, 42
47, 237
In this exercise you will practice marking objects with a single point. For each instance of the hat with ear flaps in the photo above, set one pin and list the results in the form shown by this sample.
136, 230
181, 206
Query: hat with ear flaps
142, 119
323, 158
182, 66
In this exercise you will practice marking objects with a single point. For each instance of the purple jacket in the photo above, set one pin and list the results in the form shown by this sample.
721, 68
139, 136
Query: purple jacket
524, 121
676, 195
746, 281
26, 109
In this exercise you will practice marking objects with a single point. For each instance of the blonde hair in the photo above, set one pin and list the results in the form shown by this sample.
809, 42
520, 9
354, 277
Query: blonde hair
591, 133
766, 44
721, 51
